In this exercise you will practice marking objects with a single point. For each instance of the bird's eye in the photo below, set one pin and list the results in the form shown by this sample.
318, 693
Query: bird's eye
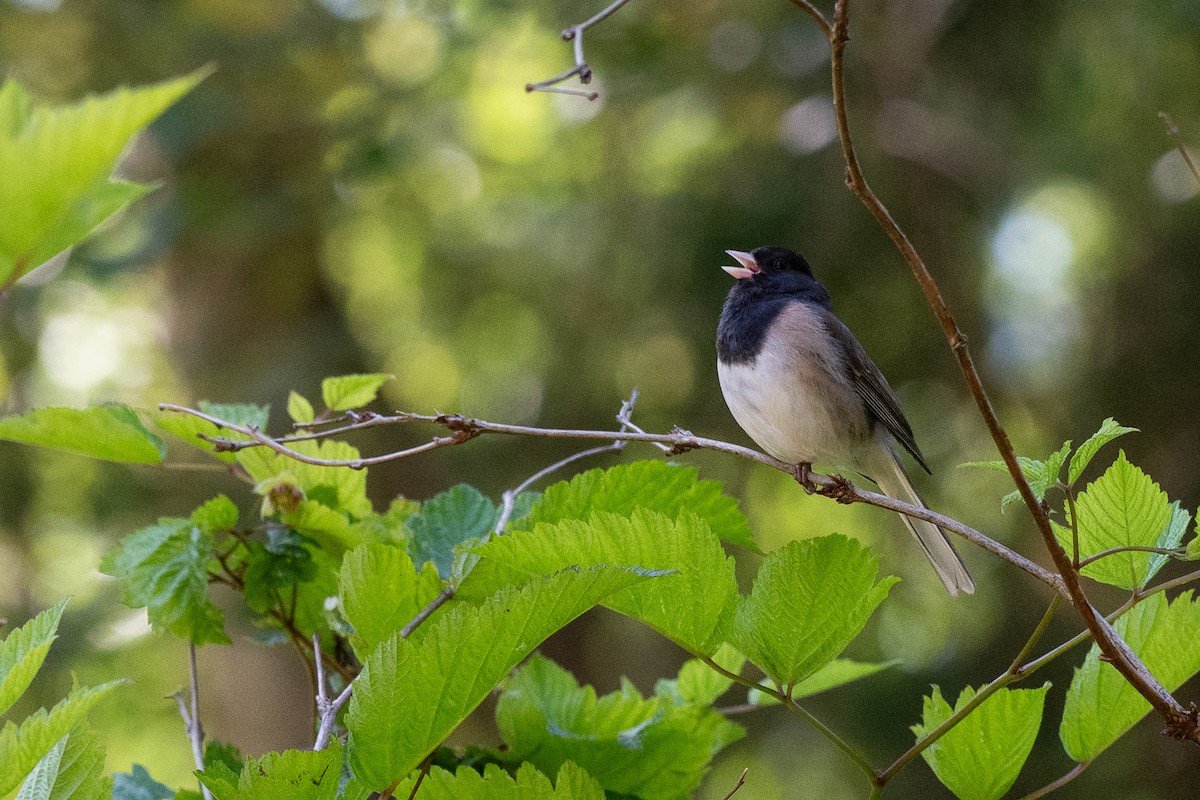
779, 265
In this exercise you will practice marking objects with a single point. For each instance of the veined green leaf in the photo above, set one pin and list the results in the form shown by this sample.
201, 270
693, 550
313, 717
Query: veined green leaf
1109, 430
23, 746
381, 591
339, 488
445, 521
700, 684
836, 673
1101, 705
23, 651
56, 164
651, 485
981, 756
72, 770
352, 391
810, 599
299, 409
652, 748
496, 784
1121, 508
111, 432
412, 692
290, 775
694, 606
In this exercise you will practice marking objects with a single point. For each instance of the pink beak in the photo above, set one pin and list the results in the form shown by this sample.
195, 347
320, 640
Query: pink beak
748, 269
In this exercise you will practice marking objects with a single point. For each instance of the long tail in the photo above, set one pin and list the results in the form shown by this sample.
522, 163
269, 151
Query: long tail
894, 482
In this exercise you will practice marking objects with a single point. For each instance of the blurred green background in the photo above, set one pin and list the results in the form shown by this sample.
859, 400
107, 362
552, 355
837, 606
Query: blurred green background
365, 186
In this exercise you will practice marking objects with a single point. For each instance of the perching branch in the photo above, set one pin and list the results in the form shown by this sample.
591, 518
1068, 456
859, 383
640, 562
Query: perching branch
1182, 723
575, 34
191, 719
679, 441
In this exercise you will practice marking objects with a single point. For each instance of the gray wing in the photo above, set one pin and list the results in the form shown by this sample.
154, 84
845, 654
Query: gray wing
873, 388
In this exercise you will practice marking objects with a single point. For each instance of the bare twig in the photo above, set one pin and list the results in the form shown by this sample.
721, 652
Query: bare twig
1181, 722
678, 441
327, 710
574, 34
740, 782
817, 16
426, 612
1180, 144
1132, 548
191, 719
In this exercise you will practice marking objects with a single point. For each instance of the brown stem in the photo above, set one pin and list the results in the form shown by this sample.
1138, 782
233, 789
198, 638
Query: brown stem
1059, 782
1181, 722
574, 34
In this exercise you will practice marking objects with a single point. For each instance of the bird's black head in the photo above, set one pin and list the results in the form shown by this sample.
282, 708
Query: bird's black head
775, 270
780, 259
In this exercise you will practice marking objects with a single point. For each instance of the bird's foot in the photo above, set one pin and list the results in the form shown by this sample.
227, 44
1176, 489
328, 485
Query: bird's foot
840, 489
802, 472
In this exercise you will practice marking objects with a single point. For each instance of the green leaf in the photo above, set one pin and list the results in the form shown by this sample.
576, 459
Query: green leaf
165, 569
186, 426
694, 606
652, 485
72, 770
299, 409
56, 164
1168, 539
1109, 430
496, 784
23, 651
1041, 475
1101, 705
446, 521
23, 746
352, 391
290, 775
981, 756
138, 785
330, 528
217, 515
374, 571
412, 692
810, 599
836, 673
271, 570
339, 488
700, 684
111, 432
1121, 508
651, 748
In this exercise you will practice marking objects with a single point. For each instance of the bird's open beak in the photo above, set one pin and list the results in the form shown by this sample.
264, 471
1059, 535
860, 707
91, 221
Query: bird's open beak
748, 269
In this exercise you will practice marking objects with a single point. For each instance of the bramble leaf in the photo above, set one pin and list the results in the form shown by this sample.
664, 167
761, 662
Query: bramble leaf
111, 432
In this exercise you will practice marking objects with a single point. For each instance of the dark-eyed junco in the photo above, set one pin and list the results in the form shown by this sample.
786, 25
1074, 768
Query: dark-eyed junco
802, 386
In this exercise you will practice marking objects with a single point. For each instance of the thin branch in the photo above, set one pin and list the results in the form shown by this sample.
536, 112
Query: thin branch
1058, 783
740, 782
574, 34
327, 710
1180, 144
1132, 548
1181, 722
817, 16
191, 719
678, 441
427, 611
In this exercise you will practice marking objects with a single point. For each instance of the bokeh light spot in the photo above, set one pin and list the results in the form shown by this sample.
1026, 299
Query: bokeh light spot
734, 44
404, 50
809, 126
1172, 178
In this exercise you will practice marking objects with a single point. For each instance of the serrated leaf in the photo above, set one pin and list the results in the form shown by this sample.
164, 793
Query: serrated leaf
111, 432
352, 391
218, 514
412, 692
981, 756
651, 748
381, 591
23, 651
1169, 539
138, 785
836, 673
1101, 705
1109, 430
72, 770
299, 409
56, 163
330, 528
652, 485
573, 783
809, 600
290, 775
700, 684
445, 521
23, 746
273, 569
694, 606
165, 569
1121, 508
1041, 475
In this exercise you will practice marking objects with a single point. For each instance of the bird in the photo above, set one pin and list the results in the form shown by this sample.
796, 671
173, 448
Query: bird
802, 387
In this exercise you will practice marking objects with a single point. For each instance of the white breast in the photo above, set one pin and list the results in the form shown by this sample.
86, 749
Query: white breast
789, 400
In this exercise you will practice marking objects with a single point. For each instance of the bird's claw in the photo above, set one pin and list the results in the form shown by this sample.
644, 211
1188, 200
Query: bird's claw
802, 472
